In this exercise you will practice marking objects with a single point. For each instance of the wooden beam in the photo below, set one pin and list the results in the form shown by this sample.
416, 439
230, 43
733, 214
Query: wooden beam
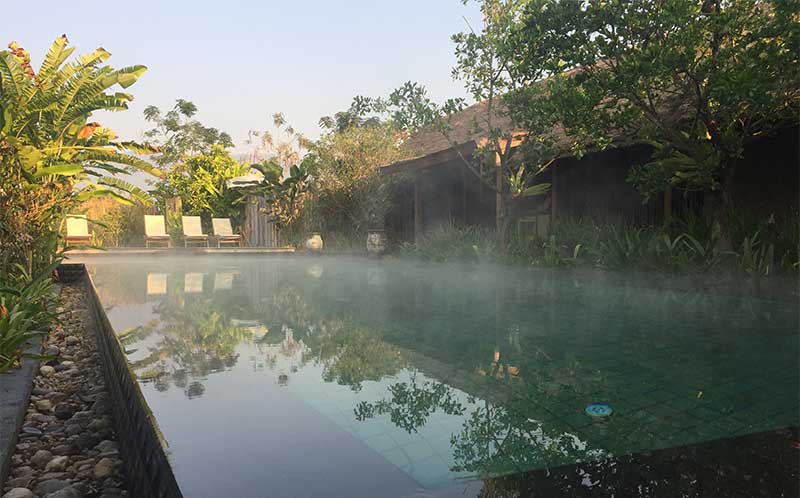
498, 203
417, 211
463, 196
668, 204
435, 159
554, 194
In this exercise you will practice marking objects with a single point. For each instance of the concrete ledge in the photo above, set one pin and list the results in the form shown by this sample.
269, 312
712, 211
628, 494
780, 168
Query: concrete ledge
182, 251
15, 391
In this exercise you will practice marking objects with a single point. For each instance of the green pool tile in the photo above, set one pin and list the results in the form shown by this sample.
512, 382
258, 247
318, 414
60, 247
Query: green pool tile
704, 412
431, 472
728, 424
381, 443
708, 432
397, 457
664, 410
418, 450
790, 417
577, 420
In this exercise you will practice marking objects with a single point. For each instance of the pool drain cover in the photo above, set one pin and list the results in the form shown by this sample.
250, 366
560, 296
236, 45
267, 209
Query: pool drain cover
599, 410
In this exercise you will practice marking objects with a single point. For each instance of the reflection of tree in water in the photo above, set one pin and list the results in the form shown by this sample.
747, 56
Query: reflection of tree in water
412, 403
495, 439
351, 354
498, 439
194, 341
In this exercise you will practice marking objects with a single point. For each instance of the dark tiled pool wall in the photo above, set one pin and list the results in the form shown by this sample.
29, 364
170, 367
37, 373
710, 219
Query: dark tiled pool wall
148, 470
763, 465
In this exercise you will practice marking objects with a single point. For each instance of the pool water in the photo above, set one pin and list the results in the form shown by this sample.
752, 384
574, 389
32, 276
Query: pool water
293, 376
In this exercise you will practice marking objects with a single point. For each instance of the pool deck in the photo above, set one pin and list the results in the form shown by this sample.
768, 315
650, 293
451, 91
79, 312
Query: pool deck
77, 254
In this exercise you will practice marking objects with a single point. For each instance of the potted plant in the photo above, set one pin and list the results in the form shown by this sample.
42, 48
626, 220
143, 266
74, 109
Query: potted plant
376, 203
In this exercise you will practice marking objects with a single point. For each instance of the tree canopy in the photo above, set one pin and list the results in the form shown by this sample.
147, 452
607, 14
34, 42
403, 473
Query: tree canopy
696, 80
178, 136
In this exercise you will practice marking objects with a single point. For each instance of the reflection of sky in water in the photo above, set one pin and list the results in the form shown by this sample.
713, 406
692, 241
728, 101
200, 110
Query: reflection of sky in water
259, 371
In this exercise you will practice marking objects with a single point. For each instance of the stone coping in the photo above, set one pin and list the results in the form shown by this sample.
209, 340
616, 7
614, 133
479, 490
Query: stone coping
182, 251
15, 392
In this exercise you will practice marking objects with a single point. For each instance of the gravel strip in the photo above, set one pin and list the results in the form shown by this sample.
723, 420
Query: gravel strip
67, 445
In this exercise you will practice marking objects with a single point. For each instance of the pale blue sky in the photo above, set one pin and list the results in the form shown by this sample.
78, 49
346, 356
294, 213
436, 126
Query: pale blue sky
241, 61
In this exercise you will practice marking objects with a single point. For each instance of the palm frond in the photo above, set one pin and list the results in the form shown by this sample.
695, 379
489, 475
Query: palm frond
129, 188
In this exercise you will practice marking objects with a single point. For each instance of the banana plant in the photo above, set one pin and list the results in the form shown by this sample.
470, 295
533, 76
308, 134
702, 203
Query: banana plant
53, 156
46, 133
284, 193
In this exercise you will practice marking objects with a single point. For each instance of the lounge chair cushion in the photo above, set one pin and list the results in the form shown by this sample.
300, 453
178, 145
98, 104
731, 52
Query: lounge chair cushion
154, 227
77, 227
192, 228
222, 228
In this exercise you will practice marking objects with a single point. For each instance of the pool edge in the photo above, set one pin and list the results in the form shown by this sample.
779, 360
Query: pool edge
142, 446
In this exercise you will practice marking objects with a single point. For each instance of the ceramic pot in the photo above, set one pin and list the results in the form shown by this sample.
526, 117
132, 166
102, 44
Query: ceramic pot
314, 242
377, 242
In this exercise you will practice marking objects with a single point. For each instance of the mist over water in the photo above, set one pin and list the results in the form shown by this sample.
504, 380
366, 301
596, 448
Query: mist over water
394, 378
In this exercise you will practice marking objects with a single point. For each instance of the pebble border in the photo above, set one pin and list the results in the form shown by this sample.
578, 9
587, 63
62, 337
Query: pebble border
141, 444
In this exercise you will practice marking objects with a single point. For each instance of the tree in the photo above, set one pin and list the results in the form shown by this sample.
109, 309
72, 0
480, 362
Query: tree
484, 62
201, 183
178, 136
283, 146
285, 194
350, 193
53, 157
698, 80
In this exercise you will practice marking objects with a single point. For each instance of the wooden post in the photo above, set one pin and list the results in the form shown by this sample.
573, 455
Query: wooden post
463, 196
668, 204
554, 195
174, 205
417, 211
499, 207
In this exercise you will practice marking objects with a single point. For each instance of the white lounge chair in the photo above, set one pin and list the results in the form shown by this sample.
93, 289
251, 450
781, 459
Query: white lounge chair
224, 233
155, 230
193, 231
77, 230
193, 283
156, 284
223, 281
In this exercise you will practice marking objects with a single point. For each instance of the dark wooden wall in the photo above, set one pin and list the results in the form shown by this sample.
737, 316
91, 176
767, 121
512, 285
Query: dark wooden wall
258, 230
596, 186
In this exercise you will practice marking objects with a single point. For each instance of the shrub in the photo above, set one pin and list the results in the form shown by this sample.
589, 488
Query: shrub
24, 312
454, 243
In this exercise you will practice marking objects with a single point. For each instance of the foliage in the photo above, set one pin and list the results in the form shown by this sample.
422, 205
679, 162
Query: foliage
24, 312
697, 80
122, 226
350, 193
194, 340
283, 145
285, 195
454, 243
688, 245
351, 354
52, 156
485, 62
412, 403
178, 136
200, 181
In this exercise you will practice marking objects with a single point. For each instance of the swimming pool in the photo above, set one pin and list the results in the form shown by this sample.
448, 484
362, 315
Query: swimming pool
293, 376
